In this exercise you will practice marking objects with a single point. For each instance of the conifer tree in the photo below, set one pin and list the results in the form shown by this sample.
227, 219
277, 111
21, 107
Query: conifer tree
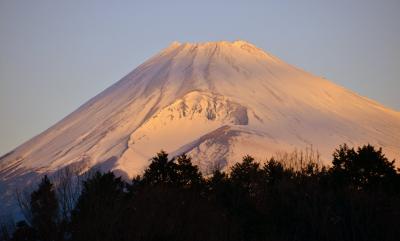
44, 208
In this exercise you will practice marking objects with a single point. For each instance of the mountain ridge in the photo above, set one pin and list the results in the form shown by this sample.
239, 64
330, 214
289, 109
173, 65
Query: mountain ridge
215, 101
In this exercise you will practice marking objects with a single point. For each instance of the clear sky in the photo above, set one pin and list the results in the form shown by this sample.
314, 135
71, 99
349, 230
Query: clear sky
55, 55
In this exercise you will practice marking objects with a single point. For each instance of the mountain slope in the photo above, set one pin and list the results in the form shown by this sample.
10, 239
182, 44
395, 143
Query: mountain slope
216, 101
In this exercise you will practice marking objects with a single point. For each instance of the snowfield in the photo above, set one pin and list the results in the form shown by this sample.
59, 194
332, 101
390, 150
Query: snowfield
215, 101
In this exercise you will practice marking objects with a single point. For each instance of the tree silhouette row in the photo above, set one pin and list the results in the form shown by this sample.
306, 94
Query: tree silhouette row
356, 198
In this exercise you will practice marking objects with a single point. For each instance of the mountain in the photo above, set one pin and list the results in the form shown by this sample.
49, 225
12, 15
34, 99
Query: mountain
215, 101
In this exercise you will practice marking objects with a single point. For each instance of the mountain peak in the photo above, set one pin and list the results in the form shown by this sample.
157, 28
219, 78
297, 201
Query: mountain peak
232, 48
215, 101
242, 43
236, 43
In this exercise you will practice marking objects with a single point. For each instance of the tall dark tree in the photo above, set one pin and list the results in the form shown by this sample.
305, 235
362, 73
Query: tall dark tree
188, 175
44, 208
98, 207
161, 170
246, 174
218, 181
274, 171
246, 181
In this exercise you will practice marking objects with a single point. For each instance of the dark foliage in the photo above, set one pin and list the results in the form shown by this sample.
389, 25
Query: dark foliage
365, 168
355, 199
98, 208
44, 208
24, 232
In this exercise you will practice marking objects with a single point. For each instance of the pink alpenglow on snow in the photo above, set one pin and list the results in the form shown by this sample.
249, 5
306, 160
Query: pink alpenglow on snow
215, 101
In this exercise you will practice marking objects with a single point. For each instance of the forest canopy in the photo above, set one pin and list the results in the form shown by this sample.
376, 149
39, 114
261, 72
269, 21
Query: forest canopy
355, 198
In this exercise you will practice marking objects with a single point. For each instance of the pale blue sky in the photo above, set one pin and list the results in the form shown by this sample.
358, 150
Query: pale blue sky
55, 55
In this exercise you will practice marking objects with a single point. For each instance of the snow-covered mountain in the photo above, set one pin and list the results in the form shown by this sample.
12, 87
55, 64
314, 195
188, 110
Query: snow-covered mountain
216, 101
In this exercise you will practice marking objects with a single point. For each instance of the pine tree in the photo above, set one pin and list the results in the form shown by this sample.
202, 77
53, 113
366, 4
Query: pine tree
246, 174
44, 208
98, 208
273, 171
187, 173
363, 169
161, 171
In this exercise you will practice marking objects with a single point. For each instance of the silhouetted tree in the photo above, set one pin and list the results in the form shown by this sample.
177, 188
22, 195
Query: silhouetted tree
178, 172
218, 180
188, 175
44, 208
247, 183
161, 170
220, 189
274, 171
98, 207
246, 174
363, 169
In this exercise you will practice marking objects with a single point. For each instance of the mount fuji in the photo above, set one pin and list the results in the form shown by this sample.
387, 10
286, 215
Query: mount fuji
214, 101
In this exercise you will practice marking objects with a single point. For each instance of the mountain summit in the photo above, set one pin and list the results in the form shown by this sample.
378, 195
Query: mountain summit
215, 101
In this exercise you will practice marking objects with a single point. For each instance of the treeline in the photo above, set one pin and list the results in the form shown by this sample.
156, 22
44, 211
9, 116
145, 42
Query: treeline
356, 198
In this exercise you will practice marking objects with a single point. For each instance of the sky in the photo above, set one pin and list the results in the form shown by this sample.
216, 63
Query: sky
55, 55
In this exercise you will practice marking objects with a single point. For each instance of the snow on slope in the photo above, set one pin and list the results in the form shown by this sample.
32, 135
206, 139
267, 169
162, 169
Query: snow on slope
216, 101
